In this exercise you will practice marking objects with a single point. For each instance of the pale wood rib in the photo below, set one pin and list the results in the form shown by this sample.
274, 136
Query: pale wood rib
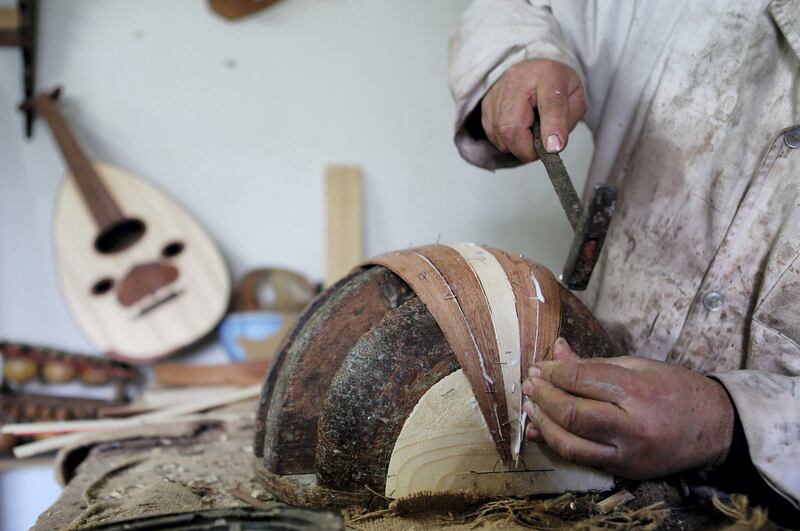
502, 308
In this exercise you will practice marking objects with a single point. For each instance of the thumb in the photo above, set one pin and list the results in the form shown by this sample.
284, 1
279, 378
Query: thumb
562, 351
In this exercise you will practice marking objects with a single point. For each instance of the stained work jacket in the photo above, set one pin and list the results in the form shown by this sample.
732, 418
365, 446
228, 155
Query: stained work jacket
695, 110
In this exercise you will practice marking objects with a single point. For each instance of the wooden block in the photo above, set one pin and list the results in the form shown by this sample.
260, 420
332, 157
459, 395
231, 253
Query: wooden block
344, 221
445, 446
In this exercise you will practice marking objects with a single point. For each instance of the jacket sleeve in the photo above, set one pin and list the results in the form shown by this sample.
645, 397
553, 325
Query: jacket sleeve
768, 406
491, 36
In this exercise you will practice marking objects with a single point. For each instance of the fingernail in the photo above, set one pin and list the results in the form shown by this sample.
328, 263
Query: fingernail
527, 388
553, 144
560, 345
535, 372
532, 432
527, 406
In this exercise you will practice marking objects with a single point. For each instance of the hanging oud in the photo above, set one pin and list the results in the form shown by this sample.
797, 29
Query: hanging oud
404, 378
139, 275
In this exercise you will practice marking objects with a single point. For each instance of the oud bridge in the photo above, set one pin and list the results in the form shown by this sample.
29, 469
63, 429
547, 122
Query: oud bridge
156, 301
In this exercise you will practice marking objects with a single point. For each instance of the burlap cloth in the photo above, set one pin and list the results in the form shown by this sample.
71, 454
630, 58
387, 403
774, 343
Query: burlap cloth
156, 470
208, 464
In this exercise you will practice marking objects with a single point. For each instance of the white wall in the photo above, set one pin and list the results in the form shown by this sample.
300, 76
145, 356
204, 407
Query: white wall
25, 493
237, 120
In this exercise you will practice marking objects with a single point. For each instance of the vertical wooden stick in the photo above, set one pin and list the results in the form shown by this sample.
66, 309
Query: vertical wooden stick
344, 219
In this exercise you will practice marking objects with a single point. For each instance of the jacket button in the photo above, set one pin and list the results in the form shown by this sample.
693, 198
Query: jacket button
792, 138
713, 301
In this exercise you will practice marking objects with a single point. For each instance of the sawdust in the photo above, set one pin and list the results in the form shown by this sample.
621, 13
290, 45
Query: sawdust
655, 506
563, 512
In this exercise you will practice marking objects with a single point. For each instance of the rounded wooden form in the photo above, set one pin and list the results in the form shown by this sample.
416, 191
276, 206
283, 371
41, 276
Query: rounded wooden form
368, 350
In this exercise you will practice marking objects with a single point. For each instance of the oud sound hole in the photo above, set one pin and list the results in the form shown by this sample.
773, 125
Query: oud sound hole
119, 236
172, 249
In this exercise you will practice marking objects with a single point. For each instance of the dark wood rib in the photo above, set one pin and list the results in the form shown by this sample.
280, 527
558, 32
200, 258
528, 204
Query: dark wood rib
98, 199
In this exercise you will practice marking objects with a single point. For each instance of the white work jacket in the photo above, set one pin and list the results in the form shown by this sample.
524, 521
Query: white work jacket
695, 110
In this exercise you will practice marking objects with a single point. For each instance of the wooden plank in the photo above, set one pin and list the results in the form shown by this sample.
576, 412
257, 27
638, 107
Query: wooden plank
344, 221
445, 447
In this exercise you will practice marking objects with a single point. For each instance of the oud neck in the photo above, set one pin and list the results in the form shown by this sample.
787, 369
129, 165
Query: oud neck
98, 199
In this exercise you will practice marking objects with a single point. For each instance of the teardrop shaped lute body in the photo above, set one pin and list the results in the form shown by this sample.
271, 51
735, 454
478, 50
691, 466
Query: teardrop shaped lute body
138, 273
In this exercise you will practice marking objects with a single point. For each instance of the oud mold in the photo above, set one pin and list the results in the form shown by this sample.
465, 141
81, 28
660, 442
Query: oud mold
420, 393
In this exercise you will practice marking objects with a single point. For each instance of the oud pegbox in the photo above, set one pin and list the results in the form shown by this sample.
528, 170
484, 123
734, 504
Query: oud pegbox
405, 376
18, 26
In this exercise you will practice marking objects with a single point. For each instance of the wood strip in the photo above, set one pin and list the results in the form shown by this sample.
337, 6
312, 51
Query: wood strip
54, 443
538, 304
502, 308
344, 205
539, 310
429, 284
94, 425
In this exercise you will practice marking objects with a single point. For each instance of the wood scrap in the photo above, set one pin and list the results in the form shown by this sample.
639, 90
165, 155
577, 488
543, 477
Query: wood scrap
618, 499
184, 375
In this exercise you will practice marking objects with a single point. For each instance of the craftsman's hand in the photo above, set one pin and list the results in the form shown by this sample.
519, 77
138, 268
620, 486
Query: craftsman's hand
507, 109
633, 417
